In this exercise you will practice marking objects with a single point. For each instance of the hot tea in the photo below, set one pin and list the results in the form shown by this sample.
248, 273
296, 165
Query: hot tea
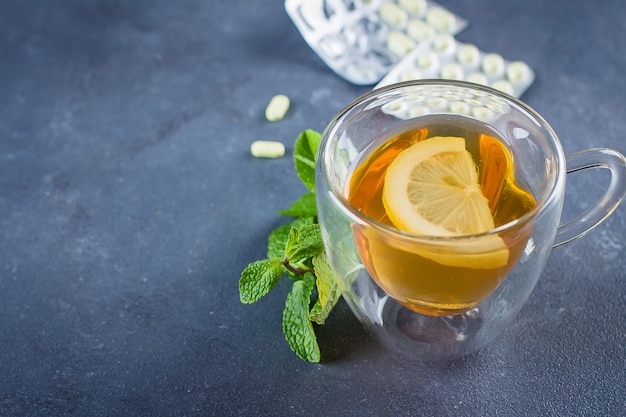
421, 271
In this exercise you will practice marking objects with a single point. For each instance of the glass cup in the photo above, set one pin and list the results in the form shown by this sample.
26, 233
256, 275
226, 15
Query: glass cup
410, 290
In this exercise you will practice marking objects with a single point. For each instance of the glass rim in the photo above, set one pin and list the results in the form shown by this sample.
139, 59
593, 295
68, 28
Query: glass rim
511, 225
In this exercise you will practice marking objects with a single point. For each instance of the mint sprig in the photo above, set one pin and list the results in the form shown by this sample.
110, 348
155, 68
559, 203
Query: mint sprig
296, 250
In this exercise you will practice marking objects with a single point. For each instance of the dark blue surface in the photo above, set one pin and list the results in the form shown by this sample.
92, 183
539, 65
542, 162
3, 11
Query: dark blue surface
129, 204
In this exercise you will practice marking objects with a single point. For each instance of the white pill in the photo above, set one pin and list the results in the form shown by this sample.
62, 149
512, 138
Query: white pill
267, 149
473, 102
441, 19
437, 103
444, 44
411, 74
482, 113
418, 111
493, 65
518, 72
468, 55
460, 107
393, 107
416, 7
393, 15
499, 108
452, 71
420, 30
277, 108
399, 43
504, 86
414, 98
478, 78
428, 60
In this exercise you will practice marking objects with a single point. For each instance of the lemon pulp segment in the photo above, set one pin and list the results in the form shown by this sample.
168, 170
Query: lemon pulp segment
432, 189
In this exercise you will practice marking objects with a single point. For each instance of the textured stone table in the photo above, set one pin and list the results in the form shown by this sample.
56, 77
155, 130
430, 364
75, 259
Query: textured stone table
129, 204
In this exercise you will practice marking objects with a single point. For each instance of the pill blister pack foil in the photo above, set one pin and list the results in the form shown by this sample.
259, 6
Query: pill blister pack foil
388, 41
362, 40
446, 58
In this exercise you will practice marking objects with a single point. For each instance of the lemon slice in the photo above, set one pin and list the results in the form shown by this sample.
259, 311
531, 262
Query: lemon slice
432, 189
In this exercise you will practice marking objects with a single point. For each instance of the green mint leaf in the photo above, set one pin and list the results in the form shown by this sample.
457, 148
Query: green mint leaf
304, 206
304, 242
277, 241
305, 155
307, 265
297, 327
259, 278
328, 292
303, 221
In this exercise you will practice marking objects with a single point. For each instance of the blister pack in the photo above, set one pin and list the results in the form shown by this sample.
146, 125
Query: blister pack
481, 106
445, 57
362, 40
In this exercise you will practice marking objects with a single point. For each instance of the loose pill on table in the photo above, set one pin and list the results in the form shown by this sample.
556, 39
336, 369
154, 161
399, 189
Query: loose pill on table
277, 108
267, 149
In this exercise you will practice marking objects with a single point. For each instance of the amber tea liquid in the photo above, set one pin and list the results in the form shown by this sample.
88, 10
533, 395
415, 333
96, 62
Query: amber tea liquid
415, 281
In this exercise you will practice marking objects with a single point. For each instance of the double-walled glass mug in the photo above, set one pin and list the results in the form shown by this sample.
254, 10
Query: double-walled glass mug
442, 297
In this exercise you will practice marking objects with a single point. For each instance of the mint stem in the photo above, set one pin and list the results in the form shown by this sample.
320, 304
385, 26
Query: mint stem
294, 269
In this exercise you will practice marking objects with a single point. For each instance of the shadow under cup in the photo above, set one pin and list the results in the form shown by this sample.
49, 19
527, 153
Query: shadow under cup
431, 297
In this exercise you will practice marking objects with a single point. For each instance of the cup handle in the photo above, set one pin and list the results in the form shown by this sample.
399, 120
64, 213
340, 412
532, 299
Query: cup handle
609, 159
